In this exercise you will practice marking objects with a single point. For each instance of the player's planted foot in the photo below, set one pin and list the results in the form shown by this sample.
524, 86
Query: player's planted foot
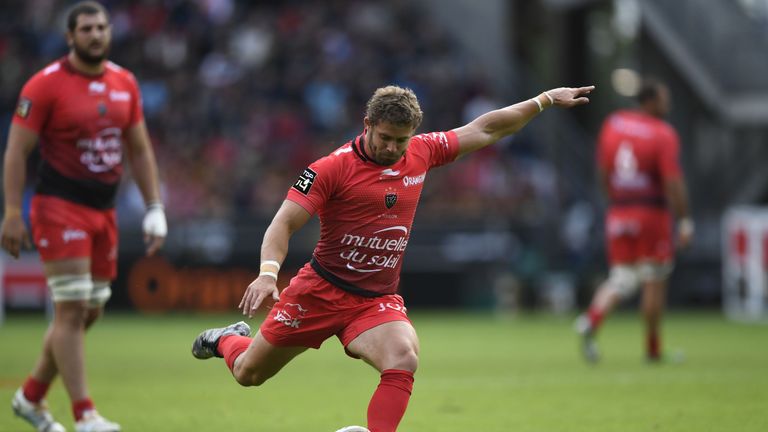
93, 422
206, 343
353, 429
588, 343
36, 414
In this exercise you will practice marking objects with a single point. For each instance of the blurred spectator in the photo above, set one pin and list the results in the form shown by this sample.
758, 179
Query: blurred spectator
240, 96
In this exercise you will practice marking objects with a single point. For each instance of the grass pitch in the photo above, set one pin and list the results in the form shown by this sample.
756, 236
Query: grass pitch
478, 372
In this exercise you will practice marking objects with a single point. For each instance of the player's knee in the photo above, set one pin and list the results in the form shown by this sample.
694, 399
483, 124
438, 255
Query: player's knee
625, 280
405, 358
245, 380
71, 315
654, 272
249, 376
71, 293
92, 316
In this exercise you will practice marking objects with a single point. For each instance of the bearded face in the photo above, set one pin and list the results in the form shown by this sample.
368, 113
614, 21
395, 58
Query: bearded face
91, 38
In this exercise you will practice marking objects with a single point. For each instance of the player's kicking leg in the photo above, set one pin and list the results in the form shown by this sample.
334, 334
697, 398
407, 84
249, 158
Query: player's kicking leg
252, 361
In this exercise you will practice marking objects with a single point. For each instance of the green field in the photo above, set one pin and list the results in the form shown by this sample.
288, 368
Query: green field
477, 373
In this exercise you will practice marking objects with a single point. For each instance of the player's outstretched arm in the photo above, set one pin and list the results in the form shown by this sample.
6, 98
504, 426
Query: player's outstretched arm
494, 125
21, 142
289, 219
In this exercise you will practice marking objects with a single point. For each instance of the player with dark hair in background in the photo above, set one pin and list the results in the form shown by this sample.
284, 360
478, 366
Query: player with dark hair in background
85, 112
365, 194
640, 173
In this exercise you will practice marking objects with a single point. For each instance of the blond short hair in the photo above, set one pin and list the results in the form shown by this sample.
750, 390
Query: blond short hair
395, 105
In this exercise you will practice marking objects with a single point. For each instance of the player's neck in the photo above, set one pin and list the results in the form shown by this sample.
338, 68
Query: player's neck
85, 68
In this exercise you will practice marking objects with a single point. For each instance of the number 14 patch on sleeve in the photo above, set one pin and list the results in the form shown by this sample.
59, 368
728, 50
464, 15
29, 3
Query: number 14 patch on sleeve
304, 183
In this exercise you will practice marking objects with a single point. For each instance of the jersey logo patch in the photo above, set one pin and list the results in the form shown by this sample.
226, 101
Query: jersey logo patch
304, 183
25, 105
390, 199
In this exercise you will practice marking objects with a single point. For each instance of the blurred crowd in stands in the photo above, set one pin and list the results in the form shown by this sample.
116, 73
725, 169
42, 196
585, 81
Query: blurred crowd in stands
240, 96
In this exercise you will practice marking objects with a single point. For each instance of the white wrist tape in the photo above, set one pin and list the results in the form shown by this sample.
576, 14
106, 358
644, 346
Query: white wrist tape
154, 223
538, 104
686, 226
268, 273
551, 101
270, 262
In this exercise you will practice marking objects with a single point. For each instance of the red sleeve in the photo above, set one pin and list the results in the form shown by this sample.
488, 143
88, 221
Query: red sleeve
669, 155
35, 103
316, 184
443, 147
137, 105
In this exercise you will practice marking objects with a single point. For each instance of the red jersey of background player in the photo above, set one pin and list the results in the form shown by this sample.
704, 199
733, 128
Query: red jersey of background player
80, 120
366, 210
637, 152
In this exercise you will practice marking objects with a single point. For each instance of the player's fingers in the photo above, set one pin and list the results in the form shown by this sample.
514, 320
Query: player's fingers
255, 304
245, 303
154, 244
12, 246
684, 241
242, 301
27, 241
275, 296
582, 100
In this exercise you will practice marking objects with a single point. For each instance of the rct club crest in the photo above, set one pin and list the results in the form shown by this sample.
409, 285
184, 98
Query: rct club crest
390, 199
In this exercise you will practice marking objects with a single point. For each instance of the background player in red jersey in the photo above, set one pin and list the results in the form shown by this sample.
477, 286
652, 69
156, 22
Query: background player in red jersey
84, 111
641, 176
365, 194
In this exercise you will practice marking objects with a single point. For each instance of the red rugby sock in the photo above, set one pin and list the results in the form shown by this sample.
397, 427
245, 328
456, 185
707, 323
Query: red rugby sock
595, 317
390, 400
231, 347
34, 390
653, 345
81, 406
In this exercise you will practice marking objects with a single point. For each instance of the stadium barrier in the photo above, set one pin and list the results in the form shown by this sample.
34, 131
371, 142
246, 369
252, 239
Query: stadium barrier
745, 263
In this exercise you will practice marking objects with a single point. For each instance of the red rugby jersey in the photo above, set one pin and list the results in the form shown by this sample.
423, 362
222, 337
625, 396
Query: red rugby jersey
81, 120
366, 210
638, 152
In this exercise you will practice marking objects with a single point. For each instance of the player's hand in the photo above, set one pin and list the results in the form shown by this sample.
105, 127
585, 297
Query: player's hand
567, 97
14, 235
685, 230
262, 288
155, 228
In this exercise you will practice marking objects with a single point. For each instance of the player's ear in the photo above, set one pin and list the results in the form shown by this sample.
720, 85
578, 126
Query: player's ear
367, 122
